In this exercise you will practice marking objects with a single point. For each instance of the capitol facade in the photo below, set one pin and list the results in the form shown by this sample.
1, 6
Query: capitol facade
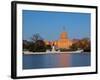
63, 42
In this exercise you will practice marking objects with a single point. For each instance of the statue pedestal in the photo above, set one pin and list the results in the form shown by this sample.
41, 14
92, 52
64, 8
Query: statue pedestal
53, 49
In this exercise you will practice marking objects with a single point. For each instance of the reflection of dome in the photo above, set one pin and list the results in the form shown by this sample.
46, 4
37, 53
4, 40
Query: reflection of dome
63, 35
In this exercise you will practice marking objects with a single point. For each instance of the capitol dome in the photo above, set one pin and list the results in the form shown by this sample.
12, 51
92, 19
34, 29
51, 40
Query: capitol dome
63, 43
63, 35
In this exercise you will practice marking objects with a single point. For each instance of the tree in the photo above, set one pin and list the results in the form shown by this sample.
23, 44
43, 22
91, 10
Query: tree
48, 47
25, 44
86, 45
40, 46
74, 46
36, 37
31, 46
82, 44
36, 44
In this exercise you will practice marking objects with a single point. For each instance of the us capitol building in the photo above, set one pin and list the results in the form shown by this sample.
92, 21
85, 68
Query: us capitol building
62, 42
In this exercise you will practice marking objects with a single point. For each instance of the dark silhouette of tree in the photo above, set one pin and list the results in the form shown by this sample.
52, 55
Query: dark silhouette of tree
36, 37
48, 47
74, 46
36, 44
82, 44
39, 46
31, 46
25, 44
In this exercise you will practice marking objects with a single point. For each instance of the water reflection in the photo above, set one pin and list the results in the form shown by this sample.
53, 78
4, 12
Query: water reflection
64, 60
33, 61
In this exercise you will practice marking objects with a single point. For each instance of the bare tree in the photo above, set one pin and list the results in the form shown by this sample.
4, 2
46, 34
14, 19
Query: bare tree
36, 37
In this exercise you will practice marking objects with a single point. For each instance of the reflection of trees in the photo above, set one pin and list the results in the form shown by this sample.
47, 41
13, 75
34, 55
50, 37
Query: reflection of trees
82, 44
36, 44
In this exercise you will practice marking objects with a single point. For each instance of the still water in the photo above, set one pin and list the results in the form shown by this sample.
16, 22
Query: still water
36, 61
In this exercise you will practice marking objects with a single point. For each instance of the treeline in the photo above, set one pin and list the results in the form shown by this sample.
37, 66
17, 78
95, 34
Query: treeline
84, 44
36, 44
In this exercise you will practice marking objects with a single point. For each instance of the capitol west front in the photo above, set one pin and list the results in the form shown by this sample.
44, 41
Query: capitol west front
63, 42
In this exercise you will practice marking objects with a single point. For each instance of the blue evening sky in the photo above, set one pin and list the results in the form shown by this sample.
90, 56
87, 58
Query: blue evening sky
50, 24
